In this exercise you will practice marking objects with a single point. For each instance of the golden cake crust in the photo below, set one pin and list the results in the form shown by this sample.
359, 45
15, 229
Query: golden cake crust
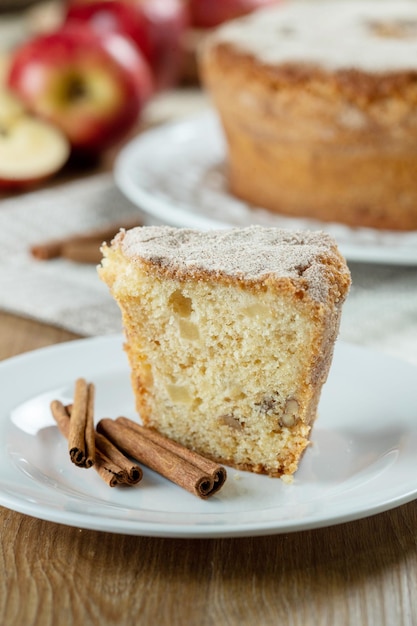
297, 261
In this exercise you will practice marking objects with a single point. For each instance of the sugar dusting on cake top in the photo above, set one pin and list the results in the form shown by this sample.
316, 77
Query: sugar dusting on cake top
370, 35
251, 254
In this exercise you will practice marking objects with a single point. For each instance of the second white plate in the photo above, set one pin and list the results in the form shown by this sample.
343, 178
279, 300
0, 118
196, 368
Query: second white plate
176, 174
362, 459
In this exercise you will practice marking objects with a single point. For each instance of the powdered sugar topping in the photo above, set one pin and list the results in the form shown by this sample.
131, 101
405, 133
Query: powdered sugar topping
372, 35
251, 253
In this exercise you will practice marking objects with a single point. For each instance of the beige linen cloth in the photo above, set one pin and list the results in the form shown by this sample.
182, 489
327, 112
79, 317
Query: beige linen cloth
381, 311
57, 291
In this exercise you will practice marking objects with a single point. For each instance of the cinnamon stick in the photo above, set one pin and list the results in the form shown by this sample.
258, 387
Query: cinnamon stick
110, 464
79, 244
52, 249
108, 450
82, 251
214, 470
61, 416
184, 467
81, 445
109, 472
89, 435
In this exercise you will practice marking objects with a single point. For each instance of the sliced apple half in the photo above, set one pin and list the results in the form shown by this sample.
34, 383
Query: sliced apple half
31, 150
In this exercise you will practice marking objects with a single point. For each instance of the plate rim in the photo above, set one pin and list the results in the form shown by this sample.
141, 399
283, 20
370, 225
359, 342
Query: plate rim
15, 502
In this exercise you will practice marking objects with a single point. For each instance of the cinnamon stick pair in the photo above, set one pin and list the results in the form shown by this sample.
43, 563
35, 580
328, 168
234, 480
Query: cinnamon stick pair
186, 468
87, 448
82, 248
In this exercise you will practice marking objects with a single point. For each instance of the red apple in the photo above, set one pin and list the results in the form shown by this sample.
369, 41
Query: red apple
91, 87
105, 16
211, 13
31, 150
156, 27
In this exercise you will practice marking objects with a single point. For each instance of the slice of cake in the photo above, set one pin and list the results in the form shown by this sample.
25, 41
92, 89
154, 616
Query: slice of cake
229, 335
318, 102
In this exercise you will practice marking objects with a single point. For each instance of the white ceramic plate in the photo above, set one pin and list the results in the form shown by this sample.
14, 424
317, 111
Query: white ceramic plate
176, 174
362, 459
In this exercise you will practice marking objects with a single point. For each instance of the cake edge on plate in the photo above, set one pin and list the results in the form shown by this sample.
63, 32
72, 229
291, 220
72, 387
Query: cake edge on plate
229, 335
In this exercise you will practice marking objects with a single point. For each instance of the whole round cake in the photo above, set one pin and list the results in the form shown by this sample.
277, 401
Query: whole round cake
318, 101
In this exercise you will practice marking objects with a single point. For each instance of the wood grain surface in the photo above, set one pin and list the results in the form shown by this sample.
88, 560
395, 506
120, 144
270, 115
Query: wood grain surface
363, 572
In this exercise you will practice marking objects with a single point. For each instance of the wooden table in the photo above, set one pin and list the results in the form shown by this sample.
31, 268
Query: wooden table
363, 572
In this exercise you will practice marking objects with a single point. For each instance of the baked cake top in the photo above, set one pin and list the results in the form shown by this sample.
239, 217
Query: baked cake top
370, 35
251, 254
